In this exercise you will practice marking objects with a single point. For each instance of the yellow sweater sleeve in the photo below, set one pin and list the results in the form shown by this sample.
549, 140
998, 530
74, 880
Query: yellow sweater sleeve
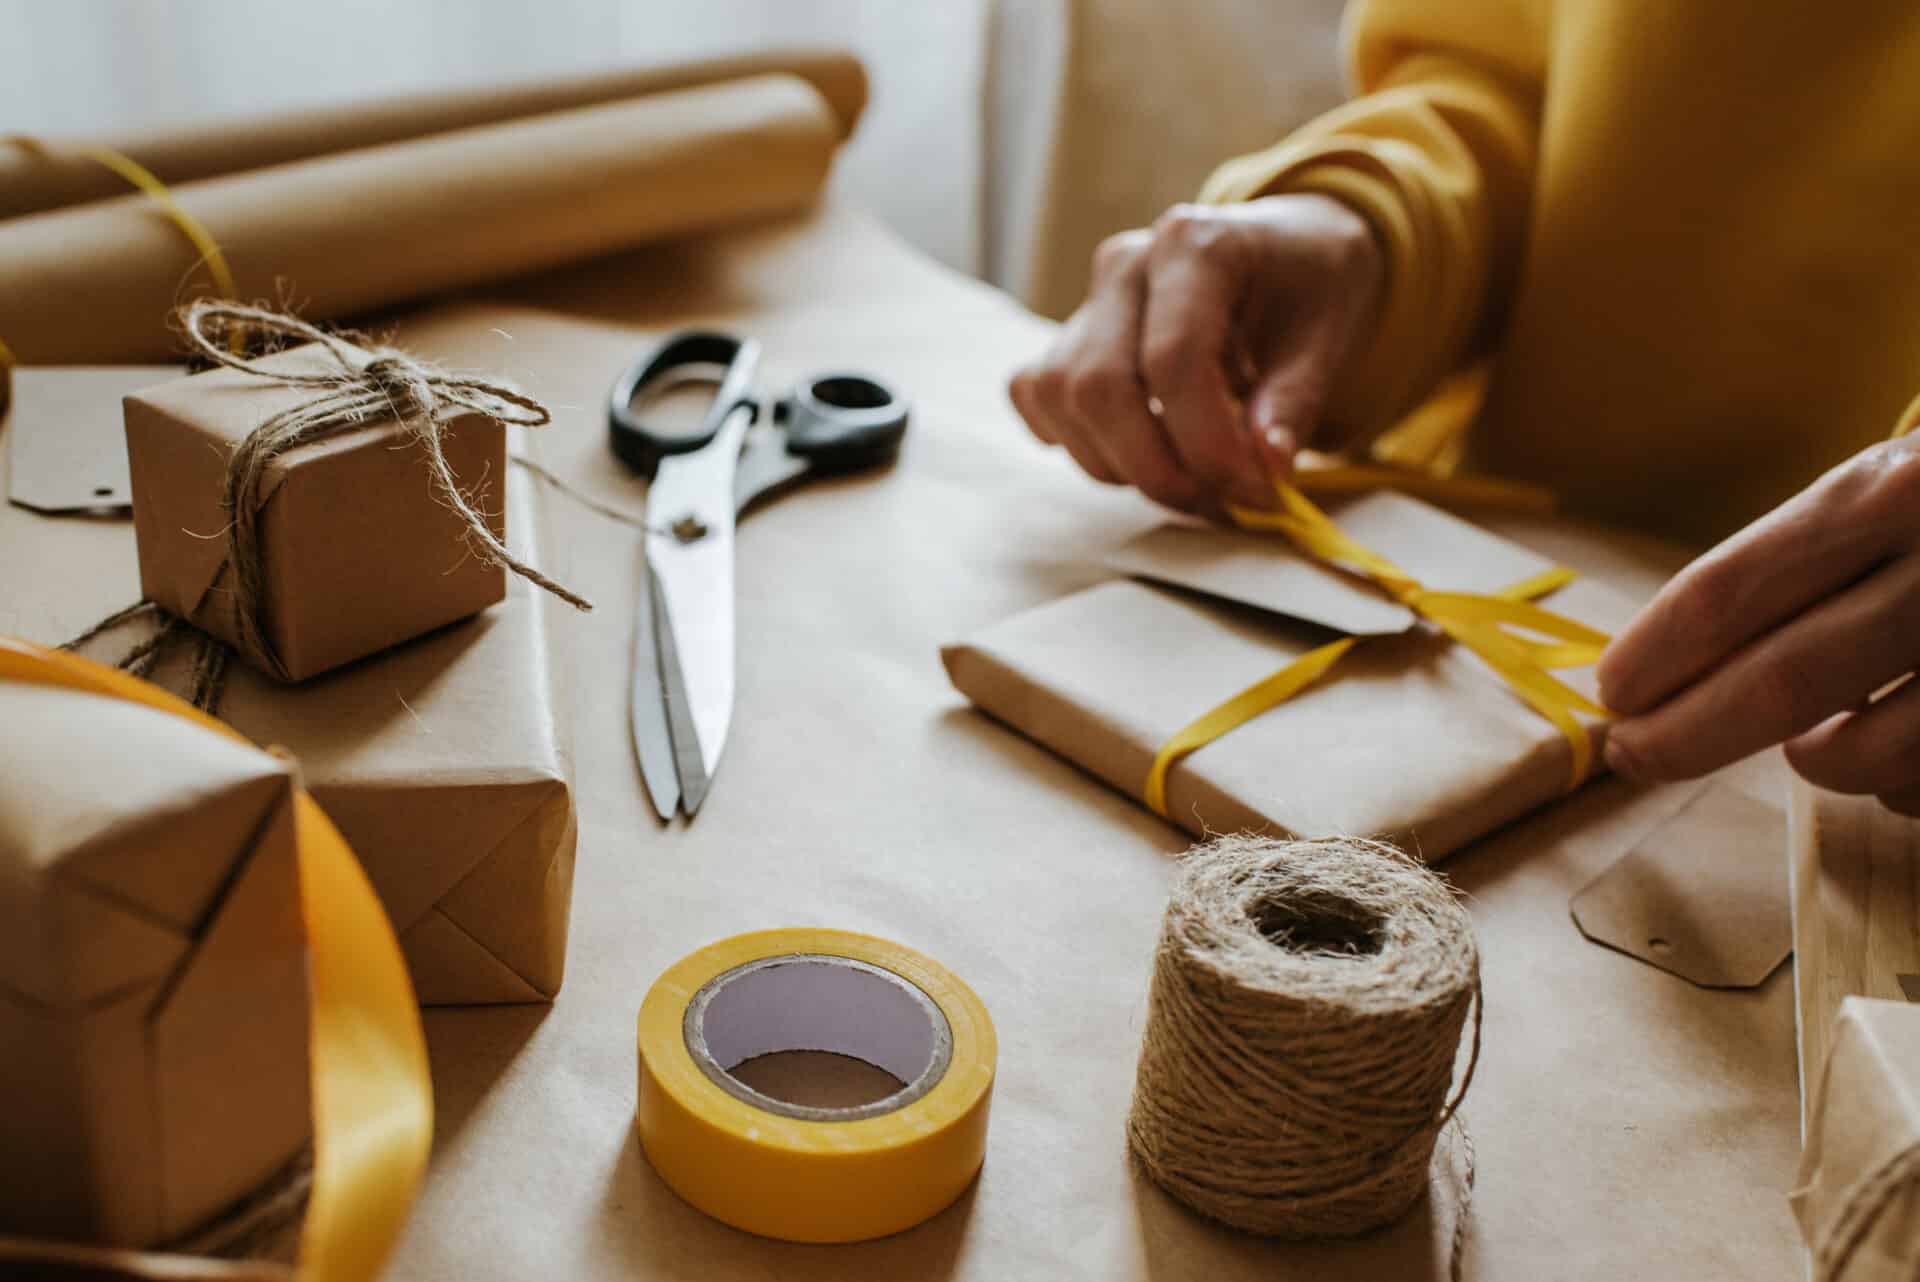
1437, 152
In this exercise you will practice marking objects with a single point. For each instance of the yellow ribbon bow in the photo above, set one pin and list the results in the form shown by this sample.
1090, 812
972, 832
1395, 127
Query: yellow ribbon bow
1481, 622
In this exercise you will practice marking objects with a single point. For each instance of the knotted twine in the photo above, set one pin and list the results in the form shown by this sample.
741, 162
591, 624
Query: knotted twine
367, 384
1304, 1019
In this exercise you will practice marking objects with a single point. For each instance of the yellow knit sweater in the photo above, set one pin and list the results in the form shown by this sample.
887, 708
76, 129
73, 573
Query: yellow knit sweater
1687, 231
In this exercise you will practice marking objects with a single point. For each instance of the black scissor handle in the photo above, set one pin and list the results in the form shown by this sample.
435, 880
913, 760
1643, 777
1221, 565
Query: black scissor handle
690, 356
842, 422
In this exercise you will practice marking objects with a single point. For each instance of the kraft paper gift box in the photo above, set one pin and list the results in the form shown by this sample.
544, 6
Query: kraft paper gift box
359, 552
153, 979
442, 763
1859, 1197
1409, 737
443, 760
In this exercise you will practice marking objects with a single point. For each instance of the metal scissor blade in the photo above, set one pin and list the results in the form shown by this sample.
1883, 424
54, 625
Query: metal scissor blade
688, 762
690, 555
652, 739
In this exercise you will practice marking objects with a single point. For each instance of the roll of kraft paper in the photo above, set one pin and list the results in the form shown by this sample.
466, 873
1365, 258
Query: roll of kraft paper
51, 176
350, 233
798, 1172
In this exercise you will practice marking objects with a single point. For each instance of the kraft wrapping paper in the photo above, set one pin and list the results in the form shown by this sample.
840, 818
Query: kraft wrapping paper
360, 552
1409, 739
1628, 1123
443, 762
32, 181
343, 234
153, 972
1864, 1113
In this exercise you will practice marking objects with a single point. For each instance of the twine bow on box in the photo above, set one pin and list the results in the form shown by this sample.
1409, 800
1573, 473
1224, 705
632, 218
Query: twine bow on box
367, 385
1479, 621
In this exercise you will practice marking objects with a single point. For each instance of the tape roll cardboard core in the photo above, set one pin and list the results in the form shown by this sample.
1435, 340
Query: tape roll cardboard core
817, 1002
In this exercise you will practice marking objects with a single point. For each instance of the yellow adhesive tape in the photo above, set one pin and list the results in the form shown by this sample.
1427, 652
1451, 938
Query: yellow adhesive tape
808, 1174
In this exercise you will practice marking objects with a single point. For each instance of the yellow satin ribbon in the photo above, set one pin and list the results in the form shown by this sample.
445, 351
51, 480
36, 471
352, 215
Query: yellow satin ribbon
372, 1097
143, 179
1908, 420
1481, 622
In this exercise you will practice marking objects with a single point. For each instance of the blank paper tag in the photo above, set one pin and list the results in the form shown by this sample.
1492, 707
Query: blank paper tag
1704, 895
66, 439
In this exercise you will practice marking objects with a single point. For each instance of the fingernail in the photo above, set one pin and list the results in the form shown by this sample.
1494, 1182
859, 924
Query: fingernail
1620, 758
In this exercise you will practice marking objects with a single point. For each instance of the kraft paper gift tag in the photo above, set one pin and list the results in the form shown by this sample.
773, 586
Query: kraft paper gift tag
1409, 738
82, 467
359, 552
1858, 1200
443, 761
153, 979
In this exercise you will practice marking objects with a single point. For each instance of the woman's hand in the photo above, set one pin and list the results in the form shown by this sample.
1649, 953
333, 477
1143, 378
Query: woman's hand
1785, 632
1214, 305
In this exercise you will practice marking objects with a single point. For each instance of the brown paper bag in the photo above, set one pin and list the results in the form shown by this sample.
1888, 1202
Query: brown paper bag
441, 761
1409, 738
153, 982
1859, 1197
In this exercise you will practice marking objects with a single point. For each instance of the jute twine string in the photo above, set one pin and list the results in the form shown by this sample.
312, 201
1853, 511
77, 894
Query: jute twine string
1860, 1209
367, 383
1303, 1023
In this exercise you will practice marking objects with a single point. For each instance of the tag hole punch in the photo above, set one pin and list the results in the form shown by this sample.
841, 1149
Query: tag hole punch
103, 491
1659, 945
818, 1038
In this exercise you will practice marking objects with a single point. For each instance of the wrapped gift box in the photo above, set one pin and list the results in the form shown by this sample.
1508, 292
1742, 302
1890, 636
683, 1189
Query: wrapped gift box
1409, 738
359, 553
442, 760
153, 981
1859, 1195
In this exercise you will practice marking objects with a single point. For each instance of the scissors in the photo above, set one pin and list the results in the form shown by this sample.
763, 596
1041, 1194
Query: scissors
703, 479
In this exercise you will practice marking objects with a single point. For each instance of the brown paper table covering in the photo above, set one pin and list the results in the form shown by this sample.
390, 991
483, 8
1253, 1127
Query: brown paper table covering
443, 762
1628, 1124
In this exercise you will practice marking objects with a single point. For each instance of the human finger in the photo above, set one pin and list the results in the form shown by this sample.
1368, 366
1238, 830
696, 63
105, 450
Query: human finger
1184, 344
1828, 660
1805, 550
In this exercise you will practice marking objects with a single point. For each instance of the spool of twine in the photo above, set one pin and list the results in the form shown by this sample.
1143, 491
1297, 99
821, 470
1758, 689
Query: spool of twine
1303, 1024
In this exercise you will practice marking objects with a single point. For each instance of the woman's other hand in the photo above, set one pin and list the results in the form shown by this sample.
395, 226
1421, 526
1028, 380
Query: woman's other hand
1202, 357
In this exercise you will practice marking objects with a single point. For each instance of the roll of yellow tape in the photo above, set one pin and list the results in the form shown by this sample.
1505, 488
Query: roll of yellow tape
801, 1173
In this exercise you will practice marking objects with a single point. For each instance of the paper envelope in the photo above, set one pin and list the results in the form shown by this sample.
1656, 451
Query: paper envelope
153, 978
1409, 738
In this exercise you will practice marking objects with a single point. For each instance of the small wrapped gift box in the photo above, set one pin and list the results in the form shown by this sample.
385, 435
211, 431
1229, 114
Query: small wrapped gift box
153, 974
357, 551
1408, 737
1859, 1197
443, 760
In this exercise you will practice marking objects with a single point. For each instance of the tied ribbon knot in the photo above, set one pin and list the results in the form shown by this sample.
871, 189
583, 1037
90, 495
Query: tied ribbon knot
366, 384
1484, 623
